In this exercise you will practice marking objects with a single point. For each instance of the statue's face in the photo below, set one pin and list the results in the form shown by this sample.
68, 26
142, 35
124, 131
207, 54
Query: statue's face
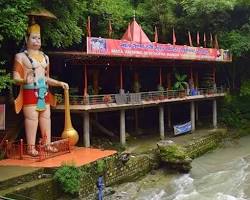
34, 41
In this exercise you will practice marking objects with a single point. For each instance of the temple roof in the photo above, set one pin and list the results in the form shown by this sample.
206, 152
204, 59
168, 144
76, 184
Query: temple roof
135, 33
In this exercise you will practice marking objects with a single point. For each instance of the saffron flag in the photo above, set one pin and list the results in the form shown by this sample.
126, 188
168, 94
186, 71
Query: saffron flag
174, 38
190, 39
205, 40
156, 35
110, 29
128, 34
211, 40
198, 38
88, 27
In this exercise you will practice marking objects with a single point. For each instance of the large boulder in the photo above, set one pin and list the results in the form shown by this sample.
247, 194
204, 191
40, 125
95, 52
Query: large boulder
173, 156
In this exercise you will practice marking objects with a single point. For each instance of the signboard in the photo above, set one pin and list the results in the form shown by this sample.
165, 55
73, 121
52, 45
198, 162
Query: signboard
124, 48
2, 116
182, 128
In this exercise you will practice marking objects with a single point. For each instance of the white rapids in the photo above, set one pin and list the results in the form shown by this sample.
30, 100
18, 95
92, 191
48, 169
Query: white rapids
220, 175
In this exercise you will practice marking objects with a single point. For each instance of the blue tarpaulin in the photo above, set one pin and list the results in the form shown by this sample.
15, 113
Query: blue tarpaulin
182, 128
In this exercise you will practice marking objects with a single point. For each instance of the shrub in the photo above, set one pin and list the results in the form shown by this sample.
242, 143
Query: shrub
100, 167
68, 177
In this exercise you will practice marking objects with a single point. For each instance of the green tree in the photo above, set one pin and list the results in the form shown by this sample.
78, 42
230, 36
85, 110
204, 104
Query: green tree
63, 32
67, 29
159, 13
13, 23
101, 11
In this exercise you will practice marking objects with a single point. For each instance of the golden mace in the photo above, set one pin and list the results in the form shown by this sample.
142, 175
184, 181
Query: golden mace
69, 131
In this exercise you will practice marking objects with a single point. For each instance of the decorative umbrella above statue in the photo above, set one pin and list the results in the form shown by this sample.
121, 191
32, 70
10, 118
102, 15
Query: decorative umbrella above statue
31, 73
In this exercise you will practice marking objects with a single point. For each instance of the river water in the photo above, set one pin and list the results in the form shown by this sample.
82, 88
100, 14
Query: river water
223, 174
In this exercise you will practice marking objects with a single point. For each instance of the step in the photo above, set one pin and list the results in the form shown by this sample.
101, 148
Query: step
43, 188
13, 175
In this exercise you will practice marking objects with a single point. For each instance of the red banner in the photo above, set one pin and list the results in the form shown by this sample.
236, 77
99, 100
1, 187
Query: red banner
124, 48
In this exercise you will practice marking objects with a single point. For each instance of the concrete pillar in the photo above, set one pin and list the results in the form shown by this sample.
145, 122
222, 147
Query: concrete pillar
192, 114
122, 127
169, 116
86, 139
214, 113
161, 122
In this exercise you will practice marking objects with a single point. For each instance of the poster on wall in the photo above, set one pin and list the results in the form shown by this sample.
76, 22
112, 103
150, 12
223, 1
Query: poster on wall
2, 116
182, 128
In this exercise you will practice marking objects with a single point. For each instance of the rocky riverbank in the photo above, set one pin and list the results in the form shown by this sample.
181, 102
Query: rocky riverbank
138, 164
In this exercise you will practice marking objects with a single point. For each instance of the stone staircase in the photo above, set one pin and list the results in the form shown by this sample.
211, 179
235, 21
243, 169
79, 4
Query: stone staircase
24, 183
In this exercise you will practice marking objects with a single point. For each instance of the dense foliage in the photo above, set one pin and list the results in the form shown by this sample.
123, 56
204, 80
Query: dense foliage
235, 112
5, 78
228, 19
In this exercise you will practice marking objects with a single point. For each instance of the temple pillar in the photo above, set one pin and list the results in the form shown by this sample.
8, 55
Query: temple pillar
169, 80
192, 114
122, 128
85, 81
136, 89
196, 82
191, 74
214, 113
121, 77
86, 138
160, 77
95, 81
214, 74
161, 122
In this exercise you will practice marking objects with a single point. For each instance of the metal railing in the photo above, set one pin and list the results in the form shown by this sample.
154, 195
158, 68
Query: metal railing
20, 150
142, 96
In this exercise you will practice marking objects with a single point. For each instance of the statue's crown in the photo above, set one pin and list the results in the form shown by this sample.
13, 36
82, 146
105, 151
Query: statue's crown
34, 28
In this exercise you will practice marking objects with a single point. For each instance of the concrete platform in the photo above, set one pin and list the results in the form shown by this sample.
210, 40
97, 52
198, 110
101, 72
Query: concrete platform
79, 156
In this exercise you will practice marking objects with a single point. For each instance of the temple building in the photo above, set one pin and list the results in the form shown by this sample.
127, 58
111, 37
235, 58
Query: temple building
134, 74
